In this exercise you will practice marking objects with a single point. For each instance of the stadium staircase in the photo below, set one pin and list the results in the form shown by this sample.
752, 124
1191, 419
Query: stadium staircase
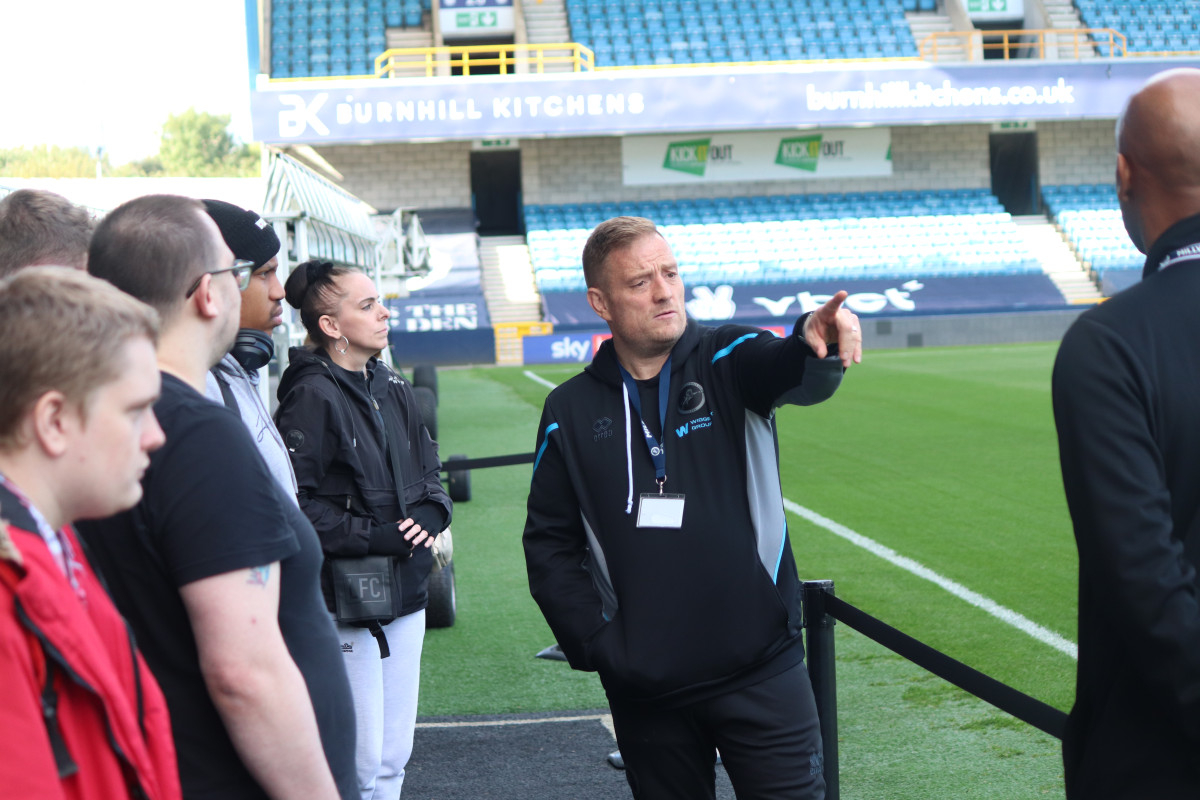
1063, 14
546, 23
508, 287
924, 23
409, 37
1058, 260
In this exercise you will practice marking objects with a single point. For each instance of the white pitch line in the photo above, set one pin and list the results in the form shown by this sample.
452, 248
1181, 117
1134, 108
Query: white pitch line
1021, 623
538, 378
603, 719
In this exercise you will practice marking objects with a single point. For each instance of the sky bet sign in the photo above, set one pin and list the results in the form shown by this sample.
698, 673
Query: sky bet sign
576, 348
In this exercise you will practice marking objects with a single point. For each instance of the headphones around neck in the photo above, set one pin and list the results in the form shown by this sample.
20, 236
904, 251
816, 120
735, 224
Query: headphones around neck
253, 349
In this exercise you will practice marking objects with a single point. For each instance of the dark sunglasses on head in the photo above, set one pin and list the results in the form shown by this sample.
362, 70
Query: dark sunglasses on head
241, 269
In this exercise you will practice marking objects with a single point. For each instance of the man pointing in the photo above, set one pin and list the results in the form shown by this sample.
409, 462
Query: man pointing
656, 541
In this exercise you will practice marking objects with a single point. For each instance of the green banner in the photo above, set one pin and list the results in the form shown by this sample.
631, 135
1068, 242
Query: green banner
799, 152
690, 157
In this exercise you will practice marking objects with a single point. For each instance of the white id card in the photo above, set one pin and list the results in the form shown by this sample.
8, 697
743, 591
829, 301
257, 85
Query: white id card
660, 511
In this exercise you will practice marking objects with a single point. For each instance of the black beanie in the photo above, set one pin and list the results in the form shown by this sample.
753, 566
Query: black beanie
248, 235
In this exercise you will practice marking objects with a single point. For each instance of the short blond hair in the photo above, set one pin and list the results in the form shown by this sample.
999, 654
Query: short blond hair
608, 237
61, 330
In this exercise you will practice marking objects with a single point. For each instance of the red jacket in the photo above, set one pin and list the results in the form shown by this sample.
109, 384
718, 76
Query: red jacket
111, 715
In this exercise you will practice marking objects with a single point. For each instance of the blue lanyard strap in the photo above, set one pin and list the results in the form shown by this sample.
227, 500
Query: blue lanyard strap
658, 453
1189, 253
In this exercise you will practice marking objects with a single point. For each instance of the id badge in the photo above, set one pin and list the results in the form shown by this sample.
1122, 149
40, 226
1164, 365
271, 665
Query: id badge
660, 511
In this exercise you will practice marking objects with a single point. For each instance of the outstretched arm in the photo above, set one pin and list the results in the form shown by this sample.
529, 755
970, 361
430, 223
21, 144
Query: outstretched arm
832, 323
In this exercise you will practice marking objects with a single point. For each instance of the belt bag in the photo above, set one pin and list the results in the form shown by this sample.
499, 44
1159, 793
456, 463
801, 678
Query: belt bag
365, 589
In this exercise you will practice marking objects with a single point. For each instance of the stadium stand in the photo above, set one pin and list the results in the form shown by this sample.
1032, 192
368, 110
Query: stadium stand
629, 33
753, 240
319, 38
1090, 216
1148, 25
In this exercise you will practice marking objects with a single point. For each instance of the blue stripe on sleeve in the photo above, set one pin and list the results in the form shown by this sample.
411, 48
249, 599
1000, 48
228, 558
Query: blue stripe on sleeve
724, 351
542, 449
779, 558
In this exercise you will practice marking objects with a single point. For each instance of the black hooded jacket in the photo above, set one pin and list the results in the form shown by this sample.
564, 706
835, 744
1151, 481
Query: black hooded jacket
332, 421
1126, 387
673, 615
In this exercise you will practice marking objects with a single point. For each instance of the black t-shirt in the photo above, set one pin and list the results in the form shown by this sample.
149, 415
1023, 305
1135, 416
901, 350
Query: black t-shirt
210, 506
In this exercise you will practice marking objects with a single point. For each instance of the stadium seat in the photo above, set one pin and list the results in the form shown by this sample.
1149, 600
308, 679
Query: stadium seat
752, 239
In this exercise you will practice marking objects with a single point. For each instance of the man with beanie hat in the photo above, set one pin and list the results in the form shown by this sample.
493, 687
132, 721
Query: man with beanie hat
235, 380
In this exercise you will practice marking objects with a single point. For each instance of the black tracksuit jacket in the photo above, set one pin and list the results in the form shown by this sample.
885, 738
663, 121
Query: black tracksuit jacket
332, 423
1127, 408
666, 615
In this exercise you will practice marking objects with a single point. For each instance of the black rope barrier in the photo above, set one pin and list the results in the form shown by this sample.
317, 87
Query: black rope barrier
459, 464
821, 606
1028, 709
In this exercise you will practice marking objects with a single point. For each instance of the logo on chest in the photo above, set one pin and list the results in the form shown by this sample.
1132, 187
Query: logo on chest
691, 398
602, 429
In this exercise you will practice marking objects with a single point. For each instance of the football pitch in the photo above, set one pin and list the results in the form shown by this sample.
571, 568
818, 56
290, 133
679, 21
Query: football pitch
927, 489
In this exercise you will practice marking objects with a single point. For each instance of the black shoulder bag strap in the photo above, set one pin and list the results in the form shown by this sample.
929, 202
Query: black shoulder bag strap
226, 391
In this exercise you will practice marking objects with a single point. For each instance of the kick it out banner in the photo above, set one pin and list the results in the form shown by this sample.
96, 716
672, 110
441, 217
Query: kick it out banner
756, 156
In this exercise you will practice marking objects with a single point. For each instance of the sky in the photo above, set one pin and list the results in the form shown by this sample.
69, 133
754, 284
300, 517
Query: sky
107, 73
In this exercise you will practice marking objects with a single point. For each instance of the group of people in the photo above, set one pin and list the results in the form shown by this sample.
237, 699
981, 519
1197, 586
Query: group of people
656, 541
223, 665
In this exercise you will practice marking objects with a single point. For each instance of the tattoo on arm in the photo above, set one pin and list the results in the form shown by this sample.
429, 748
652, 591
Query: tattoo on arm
259, 575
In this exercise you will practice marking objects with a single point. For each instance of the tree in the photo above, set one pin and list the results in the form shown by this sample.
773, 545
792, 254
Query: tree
198, 144
45, 161
194, 144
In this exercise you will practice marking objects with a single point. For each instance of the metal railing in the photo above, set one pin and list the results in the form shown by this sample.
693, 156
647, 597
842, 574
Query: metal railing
507, 59
975, 44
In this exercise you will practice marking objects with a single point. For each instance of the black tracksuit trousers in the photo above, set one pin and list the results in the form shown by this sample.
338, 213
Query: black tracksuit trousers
768, 736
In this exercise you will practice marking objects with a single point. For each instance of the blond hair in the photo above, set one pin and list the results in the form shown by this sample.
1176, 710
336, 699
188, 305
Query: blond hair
61, 330
609, 236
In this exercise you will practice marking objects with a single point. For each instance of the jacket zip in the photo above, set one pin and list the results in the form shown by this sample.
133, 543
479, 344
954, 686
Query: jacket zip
50, 707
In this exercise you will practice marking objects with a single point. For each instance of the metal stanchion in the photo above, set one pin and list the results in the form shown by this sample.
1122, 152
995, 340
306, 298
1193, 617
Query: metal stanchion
818, 627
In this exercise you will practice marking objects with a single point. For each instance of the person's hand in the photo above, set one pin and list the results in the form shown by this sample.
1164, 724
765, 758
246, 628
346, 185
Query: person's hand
831, 324
414, 534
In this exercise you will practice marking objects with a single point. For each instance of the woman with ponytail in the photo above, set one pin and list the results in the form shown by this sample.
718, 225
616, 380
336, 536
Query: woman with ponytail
369, 481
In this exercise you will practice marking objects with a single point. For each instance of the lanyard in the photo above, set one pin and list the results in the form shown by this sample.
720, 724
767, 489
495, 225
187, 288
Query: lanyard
658, 453
1189, 253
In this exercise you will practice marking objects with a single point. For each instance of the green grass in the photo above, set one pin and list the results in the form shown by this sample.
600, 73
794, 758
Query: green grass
948, 456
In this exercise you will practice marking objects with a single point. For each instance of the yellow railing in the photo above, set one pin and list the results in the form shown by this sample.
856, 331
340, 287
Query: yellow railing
508, 59
979, 44
410, 62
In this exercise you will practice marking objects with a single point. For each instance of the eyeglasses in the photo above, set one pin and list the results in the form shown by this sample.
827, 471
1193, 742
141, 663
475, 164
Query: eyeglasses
241, 269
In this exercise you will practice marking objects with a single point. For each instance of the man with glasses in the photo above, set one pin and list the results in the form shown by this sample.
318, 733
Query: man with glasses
234, 381
216, 569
